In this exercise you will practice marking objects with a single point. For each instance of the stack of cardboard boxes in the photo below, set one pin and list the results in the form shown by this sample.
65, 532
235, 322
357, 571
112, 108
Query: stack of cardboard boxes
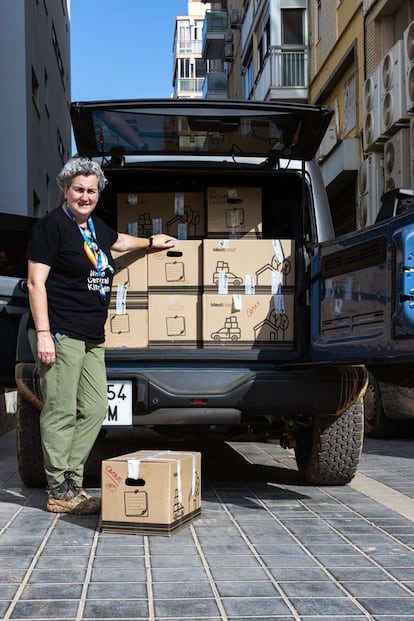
221, 286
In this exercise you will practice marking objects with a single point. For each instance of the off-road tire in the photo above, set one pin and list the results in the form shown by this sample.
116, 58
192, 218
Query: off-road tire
29, 449
376, 424
328, 449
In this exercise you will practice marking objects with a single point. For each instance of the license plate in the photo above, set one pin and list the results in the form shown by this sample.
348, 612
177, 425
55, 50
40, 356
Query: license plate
119, 404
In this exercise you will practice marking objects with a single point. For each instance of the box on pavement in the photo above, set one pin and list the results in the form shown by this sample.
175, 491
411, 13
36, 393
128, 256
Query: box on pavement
127, 322
180, 214
150, 492
234, 212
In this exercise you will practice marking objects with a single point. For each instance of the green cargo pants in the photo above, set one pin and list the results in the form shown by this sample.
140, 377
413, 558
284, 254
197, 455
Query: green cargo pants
74, 405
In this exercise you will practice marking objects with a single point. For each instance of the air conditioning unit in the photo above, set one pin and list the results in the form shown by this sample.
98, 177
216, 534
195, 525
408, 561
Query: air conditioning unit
371, 109
397, 161
328, 141
228, 51
235, 18
393, 98
409, 67
370, 188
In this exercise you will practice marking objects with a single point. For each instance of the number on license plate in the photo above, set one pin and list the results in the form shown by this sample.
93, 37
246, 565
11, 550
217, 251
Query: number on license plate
119, 404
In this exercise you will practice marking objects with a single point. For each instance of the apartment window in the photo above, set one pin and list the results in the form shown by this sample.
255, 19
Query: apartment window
263, 46
46, 82
184, 37
292, 27
350, 104
319, 20
184, 68
248, 78
57, 52
198, 29
200, 68
35, 91
293, 41
60, 146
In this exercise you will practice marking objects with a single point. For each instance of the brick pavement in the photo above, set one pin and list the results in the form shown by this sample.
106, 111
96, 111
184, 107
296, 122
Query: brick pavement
265, 548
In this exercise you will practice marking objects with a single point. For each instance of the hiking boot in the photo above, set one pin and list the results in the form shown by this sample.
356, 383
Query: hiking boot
69, 498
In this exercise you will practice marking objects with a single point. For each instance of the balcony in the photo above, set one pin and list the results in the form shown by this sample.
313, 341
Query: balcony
215, 85
215, 35
190, 86
283, 75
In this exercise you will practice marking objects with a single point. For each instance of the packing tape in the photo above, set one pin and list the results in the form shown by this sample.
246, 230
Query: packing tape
133, 467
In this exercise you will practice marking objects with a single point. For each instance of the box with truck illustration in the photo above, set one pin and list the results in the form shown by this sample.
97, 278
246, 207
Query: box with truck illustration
258, 266
247, 321
150, 492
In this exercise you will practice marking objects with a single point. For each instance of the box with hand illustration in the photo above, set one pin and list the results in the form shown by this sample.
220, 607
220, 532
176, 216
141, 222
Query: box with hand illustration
180, 214
241, 321
234, 212
231, 265
150, 492
127, 322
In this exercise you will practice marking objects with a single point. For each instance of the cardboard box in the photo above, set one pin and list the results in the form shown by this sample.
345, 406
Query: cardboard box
174, 319
127, 322
175, 213
178, 268
150, 492
234, 212
248, 321
267, 262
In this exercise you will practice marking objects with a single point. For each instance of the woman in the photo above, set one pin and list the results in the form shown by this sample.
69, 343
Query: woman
70, 271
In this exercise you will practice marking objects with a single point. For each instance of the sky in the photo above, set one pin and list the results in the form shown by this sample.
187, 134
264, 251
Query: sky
122, 49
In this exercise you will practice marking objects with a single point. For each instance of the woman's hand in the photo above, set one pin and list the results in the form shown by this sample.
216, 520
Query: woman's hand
46, 351
162, 242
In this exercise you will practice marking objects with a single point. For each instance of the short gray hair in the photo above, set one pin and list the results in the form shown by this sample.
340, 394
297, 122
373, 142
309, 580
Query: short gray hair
80, 166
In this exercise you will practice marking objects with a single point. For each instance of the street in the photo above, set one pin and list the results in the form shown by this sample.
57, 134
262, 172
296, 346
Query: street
266, 547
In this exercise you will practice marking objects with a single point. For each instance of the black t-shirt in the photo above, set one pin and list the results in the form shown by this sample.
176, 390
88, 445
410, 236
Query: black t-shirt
75, 305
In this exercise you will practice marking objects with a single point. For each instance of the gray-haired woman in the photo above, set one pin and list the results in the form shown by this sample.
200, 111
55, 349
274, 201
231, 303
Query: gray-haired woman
70, 271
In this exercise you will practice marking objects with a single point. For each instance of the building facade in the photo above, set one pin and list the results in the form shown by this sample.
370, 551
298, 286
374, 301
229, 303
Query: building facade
34, 119
257, 49
189, 67
354, 56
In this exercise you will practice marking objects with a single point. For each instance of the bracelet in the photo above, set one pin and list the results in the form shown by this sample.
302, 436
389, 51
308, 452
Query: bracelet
150, 242
37, 331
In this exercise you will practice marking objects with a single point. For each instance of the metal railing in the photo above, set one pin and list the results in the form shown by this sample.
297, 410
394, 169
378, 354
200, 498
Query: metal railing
191, 85
284, 66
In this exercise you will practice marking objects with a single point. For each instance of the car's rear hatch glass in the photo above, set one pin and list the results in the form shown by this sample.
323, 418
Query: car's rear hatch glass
198, 127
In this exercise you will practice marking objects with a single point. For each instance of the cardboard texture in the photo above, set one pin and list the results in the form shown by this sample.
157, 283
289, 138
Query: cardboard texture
247, 321
127, 322
234, 212
150, 492
230, 260
175, 319
179, 268
179, 214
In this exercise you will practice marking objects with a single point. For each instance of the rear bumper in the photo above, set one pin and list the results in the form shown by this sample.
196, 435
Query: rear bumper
213, 396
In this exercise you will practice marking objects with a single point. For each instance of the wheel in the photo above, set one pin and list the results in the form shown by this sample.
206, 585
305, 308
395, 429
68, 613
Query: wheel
29, 449
328, 450
376, 423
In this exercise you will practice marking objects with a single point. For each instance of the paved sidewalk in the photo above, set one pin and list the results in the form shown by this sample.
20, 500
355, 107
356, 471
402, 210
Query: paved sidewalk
265, 548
